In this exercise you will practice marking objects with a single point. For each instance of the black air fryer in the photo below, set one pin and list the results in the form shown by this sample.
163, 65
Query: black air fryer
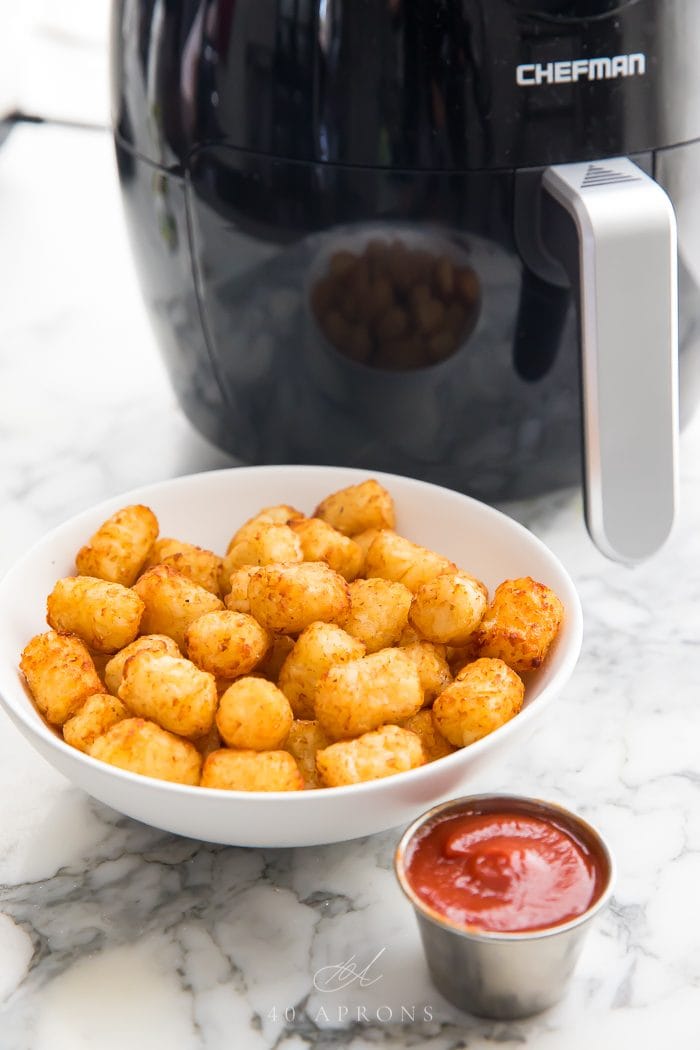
435, 237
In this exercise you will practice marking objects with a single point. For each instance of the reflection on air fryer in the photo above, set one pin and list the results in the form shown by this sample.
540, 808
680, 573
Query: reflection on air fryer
390, 305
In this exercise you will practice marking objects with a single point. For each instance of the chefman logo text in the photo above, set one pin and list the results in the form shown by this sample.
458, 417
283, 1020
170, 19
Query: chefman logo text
532, 74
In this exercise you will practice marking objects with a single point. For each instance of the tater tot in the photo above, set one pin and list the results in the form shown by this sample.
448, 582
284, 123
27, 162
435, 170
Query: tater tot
226, 643
320, 651
378, 612
361, 695
319, 647
162, 549
520, 624
306, 738
393, 557
409, 636
458, 656
485, 695
208, 743
254, 715
282, 514
268, 545
105, 615
171, 691
60, 674
433, 669
222, 684
172, 602
287, 598
449, 608
100, 661
236, 589
321, 542
434, 743
114, 668
357, 508
376, 754
119, 548
201, 566
364, 540
143, 747
98, 714
273, 661
252, 771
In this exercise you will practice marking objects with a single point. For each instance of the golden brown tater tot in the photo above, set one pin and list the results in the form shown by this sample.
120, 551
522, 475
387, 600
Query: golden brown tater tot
378, 612
226, 643
393, 557
254, 715
319, 647
252, 771
114, 668
60, 674
448, 609
170, 691
355, 697
357, 508
105, 615
172, 602
287, 598
376, 754
143, 747
306, 738
520, 624
485, 695
98, 714
321, 542
119, 548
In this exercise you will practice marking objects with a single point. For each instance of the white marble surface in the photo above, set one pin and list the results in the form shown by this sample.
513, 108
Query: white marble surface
53, 59
113, 934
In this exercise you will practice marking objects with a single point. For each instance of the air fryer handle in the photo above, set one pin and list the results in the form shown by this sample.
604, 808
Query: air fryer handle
622, 259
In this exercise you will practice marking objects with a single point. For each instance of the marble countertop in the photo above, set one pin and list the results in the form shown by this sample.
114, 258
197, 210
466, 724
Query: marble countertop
113, 934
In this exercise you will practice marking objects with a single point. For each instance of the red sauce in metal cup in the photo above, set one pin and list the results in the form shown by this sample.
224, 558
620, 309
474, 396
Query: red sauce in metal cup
503, 871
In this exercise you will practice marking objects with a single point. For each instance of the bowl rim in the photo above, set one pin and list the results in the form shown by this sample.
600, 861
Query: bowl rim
498, 801
27, 714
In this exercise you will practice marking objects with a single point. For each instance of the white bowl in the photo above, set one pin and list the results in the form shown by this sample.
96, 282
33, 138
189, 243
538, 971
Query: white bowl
206, 509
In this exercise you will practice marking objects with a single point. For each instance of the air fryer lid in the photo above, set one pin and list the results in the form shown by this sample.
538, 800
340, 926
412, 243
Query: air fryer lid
451, 85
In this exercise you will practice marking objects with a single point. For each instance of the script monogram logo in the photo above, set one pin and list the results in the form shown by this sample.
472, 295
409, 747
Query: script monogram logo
335, 977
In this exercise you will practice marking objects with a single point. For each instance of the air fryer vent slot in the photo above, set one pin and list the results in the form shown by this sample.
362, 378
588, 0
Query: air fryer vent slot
597, 175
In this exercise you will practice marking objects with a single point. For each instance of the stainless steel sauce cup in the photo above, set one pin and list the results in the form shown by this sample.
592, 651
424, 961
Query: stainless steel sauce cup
494, 974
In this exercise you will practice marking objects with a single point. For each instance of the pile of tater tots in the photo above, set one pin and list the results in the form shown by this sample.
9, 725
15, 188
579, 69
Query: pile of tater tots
318, 652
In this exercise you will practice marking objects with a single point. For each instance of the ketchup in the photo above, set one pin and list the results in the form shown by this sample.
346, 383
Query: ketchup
503, 871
